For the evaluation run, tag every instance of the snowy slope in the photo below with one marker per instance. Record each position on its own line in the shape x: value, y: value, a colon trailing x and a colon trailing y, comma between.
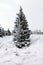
x: 11, y: 55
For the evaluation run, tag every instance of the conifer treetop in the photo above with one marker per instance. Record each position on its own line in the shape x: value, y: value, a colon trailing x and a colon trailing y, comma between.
x: 20, y: 8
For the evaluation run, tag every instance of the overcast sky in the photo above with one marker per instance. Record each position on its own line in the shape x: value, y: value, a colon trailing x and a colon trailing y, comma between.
x: 33, y: 10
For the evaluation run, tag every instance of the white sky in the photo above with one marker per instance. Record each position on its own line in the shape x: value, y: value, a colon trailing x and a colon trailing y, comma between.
x: 33, y: 10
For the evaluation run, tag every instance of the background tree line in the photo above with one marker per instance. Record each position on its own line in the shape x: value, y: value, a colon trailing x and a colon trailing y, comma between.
x: 4, y: 32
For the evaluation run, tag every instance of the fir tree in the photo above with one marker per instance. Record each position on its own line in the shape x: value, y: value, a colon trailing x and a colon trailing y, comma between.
x: 21, y: 28
x: 9, y: 33
x: 3, y: 32
x: 0, y: 31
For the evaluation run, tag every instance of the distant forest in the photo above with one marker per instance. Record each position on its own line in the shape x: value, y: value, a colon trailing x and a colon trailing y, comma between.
x: 4, y: 32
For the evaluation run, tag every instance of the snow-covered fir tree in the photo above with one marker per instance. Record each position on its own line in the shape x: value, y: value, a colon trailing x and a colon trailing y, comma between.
x: 9, y: 33
x: 1, y: 31
x: 22, y: 32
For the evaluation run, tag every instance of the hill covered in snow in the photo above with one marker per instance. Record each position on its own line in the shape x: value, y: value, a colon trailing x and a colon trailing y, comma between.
x: 11, y: 55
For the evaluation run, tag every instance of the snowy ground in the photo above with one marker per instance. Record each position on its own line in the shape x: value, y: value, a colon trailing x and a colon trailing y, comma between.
x: 11, y: 55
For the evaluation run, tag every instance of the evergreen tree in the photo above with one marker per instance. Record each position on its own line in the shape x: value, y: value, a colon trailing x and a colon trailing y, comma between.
x: 9, y: 33
x: 21, y: 28
x: 3, y: 32
x: 0, y: 32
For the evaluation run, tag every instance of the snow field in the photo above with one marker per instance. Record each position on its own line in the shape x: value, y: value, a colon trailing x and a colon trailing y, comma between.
x: 11, y: 55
